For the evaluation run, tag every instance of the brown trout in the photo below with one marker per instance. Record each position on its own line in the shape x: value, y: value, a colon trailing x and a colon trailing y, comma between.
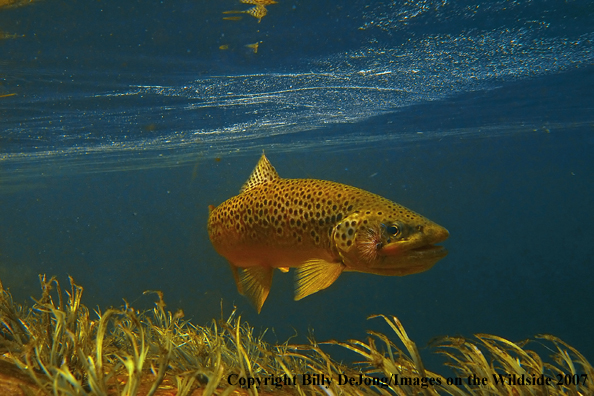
x: 321, y: 228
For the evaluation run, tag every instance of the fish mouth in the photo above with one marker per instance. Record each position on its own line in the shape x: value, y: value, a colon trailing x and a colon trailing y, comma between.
x: 410, y: 261
x: 420, y: 246
x: 427, y: 251
x: 436, y: 234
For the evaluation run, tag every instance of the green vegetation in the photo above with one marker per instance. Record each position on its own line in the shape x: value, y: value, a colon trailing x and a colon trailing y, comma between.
x: 125, y: 352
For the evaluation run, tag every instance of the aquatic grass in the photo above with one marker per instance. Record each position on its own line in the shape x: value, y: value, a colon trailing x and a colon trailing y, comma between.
x: 407, y: 371
x: 14, y: 320
x: 568, y: 361
x: 495, y: 357
x: 155, y: 353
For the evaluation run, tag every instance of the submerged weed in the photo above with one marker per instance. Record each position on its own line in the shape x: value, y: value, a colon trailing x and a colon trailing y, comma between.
x: 125, y: 352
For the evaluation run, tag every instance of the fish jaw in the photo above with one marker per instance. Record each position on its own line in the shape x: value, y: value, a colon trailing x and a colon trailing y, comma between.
x: 421, y: 244
x: 414, y: 258
x: 407, y: 264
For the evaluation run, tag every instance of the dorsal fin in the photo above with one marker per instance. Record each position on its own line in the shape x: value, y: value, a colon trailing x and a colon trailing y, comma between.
x: 263, y: 173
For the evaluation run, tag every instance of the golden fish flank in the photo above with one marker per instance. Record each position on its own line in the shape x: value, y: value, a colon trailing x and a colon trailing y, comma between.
x: 321, y: 228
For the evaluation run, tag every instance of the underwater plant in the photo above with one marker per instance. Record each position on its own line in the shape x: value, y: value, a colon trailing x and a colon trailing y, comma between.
x: 55, y: 348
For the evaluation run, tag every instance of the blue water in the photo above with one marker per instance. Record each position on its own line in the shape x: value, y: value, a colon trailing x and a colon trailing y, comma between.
x: 129, y: 120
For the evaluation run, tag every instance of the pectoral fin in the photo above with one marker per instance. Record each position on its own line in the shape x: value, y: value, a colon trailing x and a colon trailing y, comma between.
x: 315, y: 275
x: 255, y: 283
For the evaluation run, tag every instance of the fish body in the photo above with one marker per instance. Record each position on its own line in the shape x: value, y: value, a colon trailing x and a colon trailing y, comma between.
x: 319, y: 227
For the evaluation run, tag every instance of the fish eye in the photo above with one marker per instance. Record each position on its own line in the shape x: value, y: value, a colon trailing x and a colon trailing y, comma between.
x: 392, y: 230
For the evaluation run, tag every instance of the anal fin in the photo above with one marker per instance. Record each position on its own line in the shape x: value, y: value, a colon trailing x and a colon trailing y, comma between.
x: 315, y: 275
x: 255, y: 283
x: 235, y: 272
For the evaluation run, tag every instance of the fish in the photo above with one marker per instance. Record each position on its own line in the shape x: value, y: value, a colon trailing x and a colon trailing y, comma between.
x: 321, y: 229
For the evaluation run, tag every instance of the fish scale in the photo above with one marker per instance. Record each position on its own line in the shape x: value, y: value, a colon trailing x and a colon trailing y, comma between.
x: 295, y: 211
x: 321, y: 228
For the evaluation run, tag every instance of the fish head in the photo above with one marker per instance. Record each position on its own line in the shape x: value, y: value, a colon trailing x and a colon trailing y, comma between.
x: 389, y: 243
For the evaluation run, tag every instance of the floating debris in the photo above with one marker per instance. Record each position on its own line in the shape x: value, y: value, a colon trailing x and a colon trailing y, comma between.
x: 259, y: 2
x: 4, y: 35
x: 15, y: 3
x: 254, y: 46
x: 231, y: 18
x: 259, y: 10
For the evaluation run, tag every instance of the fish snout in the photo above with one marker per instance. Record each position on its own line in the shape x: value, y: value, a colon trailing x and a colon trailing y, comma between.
x: 435, y: 233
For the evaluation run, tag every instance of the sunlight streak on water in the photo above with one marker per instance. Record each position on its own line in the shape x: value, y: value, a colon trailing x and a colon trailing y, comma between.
x: 89, y: 127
